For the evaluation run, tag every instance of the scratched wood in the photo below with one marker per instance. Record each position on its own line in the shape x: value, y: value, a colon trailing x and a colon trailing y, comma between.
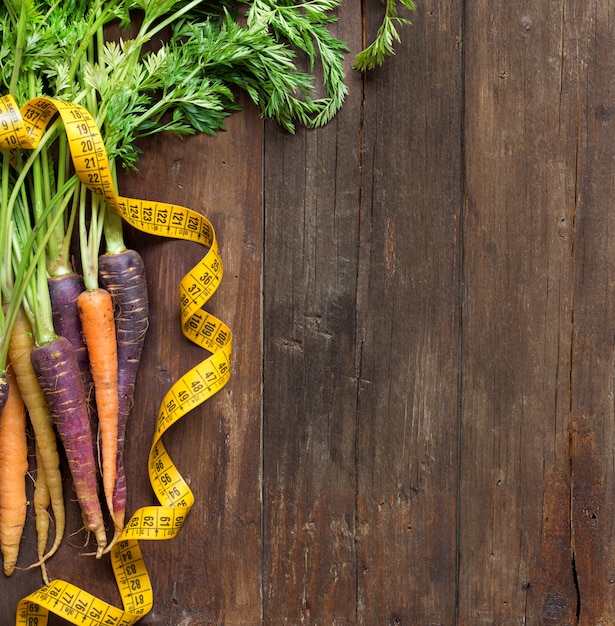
x: 408, y: 316
x: 311, y: 222
x: 593, y: 356
x: 361, y: 349
x: 520, y: 159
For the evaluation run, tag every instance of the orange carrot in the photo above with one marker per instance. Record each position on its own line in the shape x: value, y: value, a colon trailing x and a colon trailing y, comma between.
x: 20, y: 348
x: 98, y: 325
x: 13, y: 469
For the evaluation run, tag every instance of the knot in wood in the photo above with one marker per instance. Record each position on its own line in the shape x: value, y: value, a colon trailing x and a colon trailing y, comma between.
x: 555, y: 606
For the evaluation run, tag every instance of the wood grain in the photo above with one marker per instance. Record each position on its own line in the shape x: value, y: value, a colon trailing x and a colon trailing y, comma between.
x: 593, y: 356
x: 408, y: 327
x: 310, y: 382
x: 520, y: 157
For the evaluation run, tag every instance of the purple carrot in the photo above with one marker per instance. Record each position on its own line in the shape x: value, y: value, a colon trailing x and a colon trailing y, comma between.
x: 64, y: 291
x: 57, y: 370
x: 4, y: 392
x: 123, y: 276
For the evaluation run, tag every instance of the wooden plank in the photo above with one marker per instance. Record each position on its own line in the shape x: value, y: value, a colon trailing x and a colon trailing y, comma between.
x: 408, y: 324
x: 200, y: 576
x: 593, y: 384
x: 310, y: 384
x: 515, y: 559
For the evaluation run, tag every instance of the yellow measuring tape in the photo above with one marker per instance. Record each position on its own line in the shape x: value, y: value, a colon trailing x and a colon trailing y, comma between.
x: 23, y: 128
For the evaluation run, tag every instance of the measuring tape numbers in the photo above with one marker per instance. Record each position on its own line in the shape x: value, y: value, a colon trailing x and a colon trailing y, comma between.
x: 24, y: 128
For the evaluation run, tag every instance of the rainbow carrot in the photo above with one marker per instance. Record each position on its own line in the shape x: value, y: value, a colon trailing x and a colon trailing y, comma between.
x: 41, y: 502
x: 64, y: 290
x: 123, y: 275
x: 13, y: 469
x: 58, y: 374
x: 98, y: 324
x: 21, y: 344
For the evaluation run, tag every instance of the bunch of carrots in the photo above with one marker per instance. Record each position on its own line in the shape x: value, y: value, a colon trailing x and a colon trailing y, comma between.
x: 74, y: 317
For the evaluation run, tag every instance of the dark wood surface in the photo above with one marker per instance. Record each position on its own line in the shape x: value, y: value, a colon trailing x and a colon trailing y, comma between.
x: 517, y: 314
x: 591, y: 405
x: 419, y: 427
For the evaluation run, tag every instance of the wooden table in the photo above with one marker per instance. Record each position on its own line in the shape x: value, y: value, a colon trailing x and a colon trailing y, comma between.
x: 419, y: 427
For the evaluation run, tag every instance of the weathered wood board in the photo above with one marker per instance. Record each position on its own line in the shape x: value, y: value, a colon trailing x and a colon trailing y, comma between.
x: 361, y: 348
x: 420, y: 424
x: 520, y: 160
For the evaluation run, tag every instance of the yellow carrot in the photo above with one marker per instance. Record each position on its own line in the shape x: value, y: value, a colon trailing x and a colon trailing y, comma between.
x: 41, y: 501
x: 20, y: 347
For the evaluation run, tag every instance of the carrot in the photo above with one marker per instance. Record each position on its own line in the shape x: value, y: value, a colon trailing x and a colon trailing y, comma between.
x: 97, y: 322
x: 122, y: 274
x: 4, y: 391
x: 64, y: 291
x: 41, y: 501
x: 13, y: 469
x: 20, y: 347
x: 58, y: 374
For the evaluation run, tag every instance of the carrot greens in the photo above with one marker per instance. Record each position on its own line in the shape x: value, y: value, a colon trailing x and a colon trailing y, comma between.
x: 386, y: 37
x: 140, y: 68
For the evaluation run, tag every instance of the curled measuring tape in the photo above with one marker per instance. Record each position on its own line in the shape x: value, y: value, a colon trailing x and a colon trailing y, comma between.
x: 24, y: 128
